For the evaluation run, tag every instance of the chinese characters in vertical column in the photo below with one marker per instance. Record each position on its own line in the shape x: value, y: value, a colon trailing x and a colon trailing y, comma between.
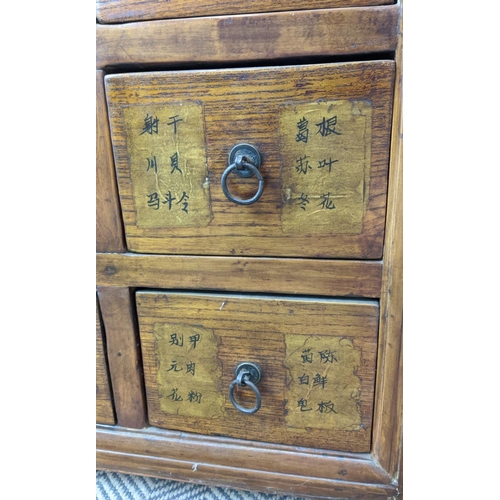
x: 164, y: 197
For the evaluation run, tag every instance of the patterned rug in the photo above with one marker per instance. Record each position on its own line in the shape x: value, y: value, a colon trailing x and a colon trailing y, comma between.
x: 115, y: 486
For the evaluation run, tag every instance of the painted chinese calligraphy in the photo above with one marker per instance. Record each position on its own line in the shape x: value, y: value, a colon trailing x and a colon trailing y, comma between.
x: 153, y: 201
x: 303, y: 165
x: 174, y: 122
x: 174, y: 163
x: 303, y: 132
x: 302, y: 404
x: 327, y: 126
x: 326, y: 203
x: 303, y: 201
x: 152, y: 164
x: 168, y: 181
x: 185, y: 204
x: 327, y: 163
x: 325, y: 152
x: 188, y: 371
x: 322, y: 388
x: 150, y: 125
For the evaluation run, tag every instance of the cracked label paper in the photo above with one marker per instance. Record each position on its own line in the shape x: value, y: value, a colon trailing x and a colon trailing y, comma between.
x: 325, y: 153
x: 168, y: 165
x: 322, y: 387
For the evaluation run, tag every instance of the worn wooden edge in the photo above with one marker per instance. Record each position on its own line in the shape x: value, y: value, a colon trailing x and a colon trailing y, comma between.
x: 238, y: 464
x: 109, y: 229
x: 399, y: 473
x: 124, y: 356
x: 250, y: 37
x: 120, y: 12
x: 339, y: 278
x: 105, y: 408
x: 387, y: 428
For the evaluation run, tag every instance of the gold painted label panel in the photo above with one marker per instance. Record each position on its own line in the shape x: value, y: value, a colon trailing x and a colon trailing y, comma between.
x: 168, y: 165
x: 189, y: 372
x: 322, y: 390
x: 325, y: 152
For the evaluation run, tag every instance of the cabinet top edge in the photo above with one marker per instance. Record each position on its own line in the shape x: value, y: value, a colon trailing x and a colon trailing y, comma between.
x: 262, y: 36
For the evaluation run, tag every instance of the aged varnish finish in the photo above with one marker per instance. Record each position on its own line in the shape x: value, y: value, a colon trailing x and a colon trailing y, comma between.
x: 104, y: 405
x: 267, y: 36
x: 317, y: 357
x: 323, y: 132
x: 109, y: 11
x: 305, y: 283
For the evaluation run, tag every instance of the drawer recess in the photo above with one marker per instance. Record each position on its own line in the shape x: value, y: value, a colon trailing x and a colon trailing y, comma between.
x: 323, y: 134
x: 317, y: 357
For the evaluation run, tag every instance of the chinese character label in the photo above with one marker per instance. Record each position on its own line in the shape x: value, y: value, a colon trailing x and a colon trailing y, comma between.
x: 327, y: 164
x: 174, y: 120
x: 322, y: 388
x: 174, y: 396
x: 152, y: 164
x: 153, y: 201
x: 169, y: 199
x: 303, y: 132
x: 188, y: 370
x: 302, y: 404
x: 168, y: 165
x: 303, y: 201
x: 325, y: 152
x: 174, y: 163
x: 327, y: 126
x: 150, y: 125
x: 302, y: 165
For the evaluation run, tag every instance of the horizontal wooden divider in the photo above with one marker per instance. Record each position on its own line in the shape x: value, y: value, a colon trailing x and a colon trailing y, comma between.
x: 249, y: 465
x: 335, y: 278
x: 251, y: 37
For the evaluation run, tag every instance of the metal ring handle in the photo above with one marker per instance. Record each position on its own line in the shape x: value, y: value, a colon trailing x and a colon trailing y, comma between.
x: 243, y: 381
x: 255, y: 171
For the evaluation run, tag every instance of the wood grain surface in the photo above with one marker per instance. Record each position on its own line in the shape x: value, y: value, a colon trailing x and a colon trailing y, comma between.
x: 389, y: 399
x: 104, y: 405
x: 242, y: 106
x: 334, y: 278
x: 220, y: 461
x: 109, y: 227
x: 113, y: 11
x: 256, y: 37
x: 119, y: 318
x: 262, y: 330
x: 214, y: 42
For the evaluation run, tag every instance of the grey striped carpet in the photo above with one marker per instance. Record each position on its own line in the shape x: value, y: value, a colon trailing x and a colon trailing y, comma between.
x: 114, y: 486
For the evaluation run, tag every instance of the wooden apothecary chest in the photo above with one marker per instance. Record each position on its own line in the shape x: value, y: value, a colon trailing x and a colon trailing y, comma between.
x: 249, y: 263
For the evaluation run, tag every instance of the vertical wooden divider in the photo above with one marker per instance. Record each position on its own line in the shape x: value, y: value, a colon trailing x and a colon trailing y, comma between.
x: 387, y: 428
x: 109, y: 228
x: 124, y: 356
x: 105, y: 413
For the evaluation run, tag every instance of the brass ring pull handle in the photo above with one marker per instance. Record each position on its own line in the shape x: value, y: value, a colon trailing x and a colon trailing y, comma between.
x: 247, y: 375
x: 245, y: 160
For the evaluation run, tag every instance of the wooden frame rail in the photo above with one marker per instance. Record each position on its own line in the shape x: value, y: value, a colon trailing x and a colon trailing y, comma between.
x: 226, y: 39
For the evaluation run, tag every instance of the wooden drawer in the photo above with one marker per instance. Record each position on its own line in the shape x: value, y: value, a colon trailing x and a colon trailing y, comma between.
x: 317, y: 357
x: 112, y: 11
x: 323, y: 135
x: 104, y: 405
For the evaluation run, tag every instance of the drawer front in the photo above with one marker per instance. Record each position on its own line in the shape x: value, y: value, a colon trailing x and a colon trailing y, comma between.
x: 317, y: 358
x: 109, y: 11
x: 104, y: 406
x: 323, y: 135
